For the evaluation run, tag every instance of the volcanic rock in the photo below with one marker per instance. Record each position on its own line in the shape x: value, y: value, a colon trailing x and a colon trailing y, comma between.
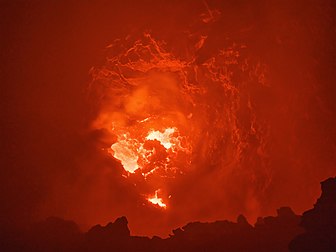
x: 319, y: 223
x: 113, y: 236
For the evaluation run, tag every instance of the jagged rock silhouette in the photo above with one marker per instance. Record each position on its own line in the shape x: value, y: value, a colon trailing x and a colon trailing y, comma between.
x: 269, y: 234
x: 319, y: 223
x: 315, y: 231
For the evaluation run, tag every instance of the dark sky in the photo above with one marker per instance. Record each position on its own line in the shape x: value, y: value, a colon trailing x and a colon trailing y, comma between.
x: 49, y: 157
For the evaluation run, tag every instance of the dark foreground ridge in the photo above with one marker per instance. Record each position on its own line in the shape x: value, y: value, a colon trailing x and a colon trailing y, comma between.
x: 314, y: 231
x: 319, y: 223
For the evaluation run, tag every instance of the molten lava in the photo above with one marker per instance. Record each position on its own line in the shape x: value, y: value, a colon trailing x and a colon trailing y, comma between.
x: 164, y: 138
x: 156, y: 200
x: 154, y: 154
x: 171, y: 115
x: 136, y: 153
x: 124, y: 151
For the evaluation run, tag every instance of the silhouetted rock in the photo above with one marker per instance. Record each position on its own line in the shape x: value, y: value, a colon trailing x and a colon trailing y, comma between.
x: 319, y: 223
x: 269, y: 234
x: 242, y: 221
x: 275, y: 233
x: 117, y: 229
x: 114, y: 235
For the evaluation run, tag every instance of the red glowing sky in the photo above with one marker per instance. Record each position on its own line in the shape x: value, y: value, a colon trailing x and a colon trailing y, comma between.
x: 54, y: 136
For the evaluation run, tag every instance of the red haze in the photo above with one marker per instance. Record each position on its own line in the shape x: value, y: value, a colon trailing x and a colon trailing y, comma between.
x: 265, y: 145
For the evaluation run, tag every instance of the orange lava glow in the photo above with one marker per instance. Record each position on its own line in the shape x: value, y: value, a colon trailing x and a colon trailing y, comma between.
x: 154, y: 155
x: 216, y: 112
x: 156, y: 200
x: 165, y: 112
x: 164, y: 137
x: 170, y: 116
x: 129, y: 151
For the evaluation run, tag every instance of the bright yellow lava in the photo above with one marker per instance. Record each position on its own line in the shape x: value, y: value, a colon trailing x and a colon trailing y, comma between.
x: 164, y: 138
x: 156, y: 200
x: 128, y: 158
x: 135, y: 152
x: 131, y: 151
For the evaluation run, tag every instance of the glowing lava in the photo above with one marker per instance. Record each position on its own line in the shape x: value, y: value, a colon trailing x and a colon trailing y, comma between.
x: 154, y: 154
x: 141, y: 152
x: 175, y: 114
x: 156, y: 200
x: 164, y: 138
x: 123, y: 150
